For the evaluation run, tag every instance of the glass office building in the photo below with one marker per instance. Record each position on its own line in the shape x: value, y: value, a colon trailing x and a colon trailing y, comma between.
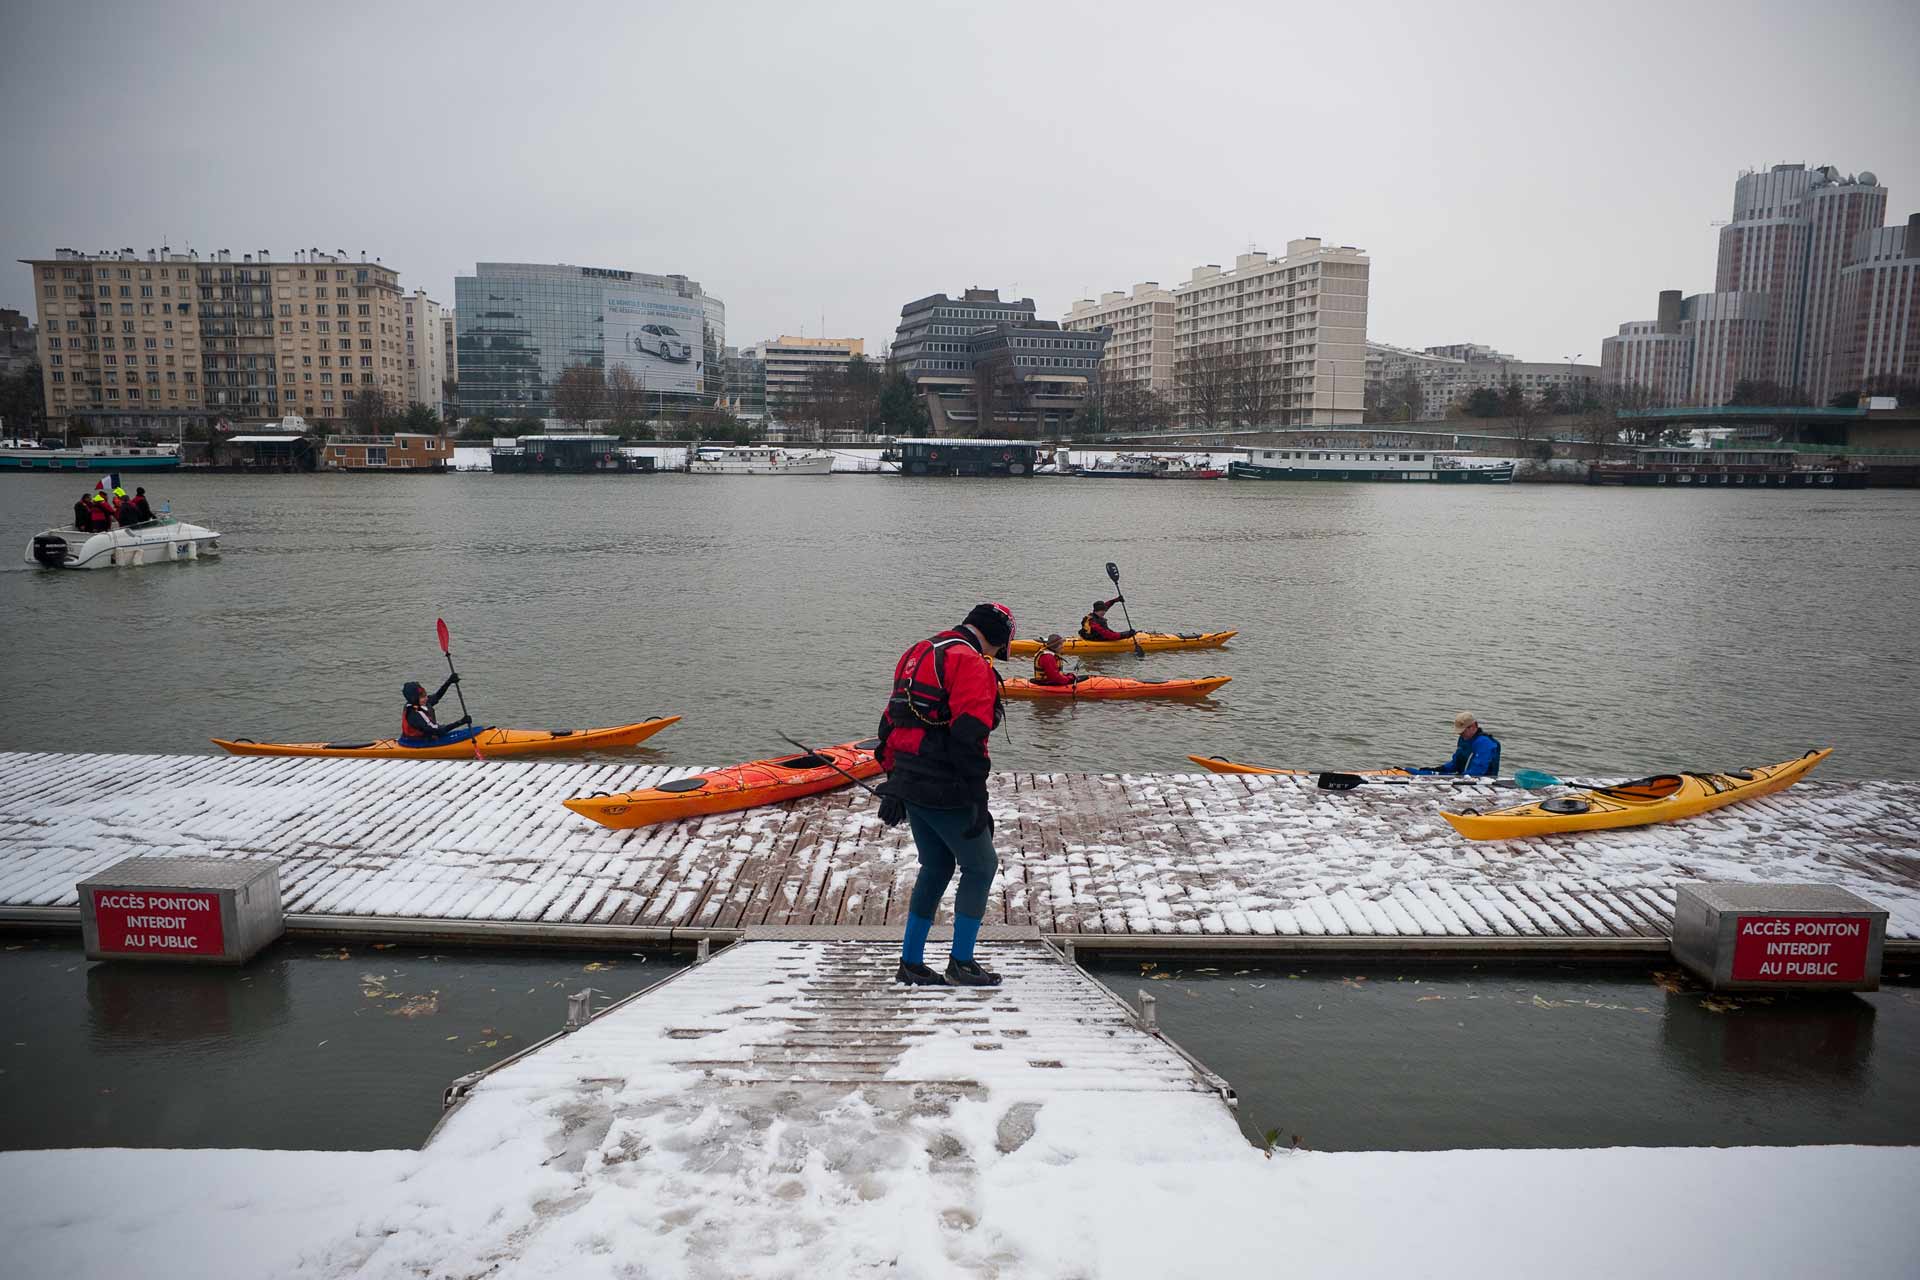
x: 519, y: 325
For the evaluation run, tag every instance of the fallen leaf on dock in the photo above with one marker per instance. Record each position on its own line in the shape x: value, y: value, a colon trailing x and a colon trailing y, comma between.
x: 1424, y: 999
x: 453, y: 1037
x: 1673, y: 980
x: 341, y: 954
x: 385, y: 946
x: 597, y: 966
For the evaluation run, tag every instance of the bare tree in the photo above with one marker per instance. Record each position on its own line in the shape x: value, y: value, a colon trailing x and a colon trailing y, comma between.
x: 1204, y: 375
x: 626, y: 401
x: 369, y: 410
x: 580, y: 395
x: 1254, y: 387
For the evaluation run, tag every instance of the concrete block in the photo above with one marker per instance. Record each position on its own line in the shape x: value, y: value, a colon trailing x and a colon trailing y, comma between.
x: 192, y: 910
x: 1769, y: 937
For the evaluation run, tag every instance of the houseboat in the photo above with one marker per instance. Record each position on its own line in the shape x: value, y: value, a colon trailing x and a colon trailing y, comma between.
x: 963, y: 457
x: 581, y: 454
x: 1751, y: 468
x: 92, y: 455
x: 1147, y: 466
x: 1429, y: 466
x: 760, y: 460
x: 402, y: 451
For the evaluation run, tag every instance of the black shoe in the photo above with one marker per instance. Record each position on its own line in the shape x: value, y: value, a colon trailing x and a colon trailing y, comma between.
x: 918, y: 975
x: 967, y: 973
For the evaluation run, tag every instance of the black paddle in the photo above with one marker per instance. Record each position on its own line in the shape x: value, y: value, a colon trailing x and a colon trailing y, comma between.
x: 1113, y: 571
x: 831, y: 765
x: 446, y: 648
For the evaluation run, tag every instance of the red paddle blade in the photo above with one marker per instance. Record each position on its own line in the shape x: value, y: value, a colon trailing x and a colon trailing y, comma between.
x: 446, y: 641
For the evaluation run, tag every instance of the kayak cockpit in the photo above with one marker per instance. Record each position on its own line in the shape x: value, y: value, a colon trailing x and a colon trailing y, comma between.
x: 1643, y: 790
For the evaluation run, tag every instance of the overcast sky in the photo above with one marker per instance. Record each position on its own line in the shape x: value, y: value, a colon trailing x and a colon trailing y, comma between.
x: 1527, y: 175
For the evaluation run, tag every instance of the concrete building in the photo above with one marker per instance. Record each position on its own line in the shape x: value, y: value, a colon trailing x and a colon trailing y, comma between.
x: 1447, y: 375
x: 425, y: 339
x: 141, y: 342
x: 1775, y: 311
x: 1302, y: 316
x: 450, y: 361
x: 521, y: 324
x: 19, y: 343
x: 790, y: 365
x: 1879, y: 308
x: 981, y: 363
x: 1139, y: 327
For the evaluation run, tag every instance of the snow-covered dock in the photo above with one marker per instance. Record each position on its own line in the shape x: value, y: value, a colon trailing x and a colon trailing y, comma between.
x: 1155, y: 861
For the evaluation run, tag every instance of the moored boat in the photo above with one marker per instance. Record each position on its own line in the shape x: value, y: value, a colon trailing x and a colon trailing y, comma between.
x: 1113, y: 687
x: 94, y: 455
x: 742, y: 786
x: 760, y: 460
x: 1634, y: 804
x: 160, y: 541
x: 1149, y: 642
x: 491, y: 741
x: 1355, y: 462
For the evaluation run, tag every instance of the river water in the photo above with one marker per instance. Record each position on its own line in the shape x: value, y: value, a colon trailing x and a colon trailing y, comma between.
x: 1593, y: 630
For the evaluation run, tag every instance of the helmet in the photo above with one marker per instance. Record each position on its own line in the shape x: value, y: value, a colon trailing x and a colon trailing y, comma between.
x: 118, y: 492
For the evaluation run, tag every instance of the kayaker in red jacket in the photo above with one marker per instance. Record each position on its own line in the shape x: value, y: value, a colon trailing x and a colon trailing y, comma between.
x: 1094, y: 625
x: 933, y: 744
x: 1046, y: 663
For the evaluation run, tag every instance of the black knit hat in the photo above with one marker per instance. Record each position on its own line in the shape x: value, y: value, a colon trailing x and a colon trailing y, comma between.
x: 994, y: 621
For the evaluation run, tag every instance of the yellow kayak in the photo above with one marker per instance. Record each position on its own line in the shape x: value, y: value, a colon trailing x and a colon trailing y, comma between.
x: 1150, y: 642
x: 492, y: 742
x: 1220, y: 764
x: 1634, y: 804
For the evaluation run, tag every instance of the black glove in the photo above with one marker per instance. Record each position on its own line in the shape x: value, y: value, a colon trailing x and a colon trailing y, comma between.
x: 453, y: 677
x: 982, y: 823
x: 463, y: 721
x: 893, y: 810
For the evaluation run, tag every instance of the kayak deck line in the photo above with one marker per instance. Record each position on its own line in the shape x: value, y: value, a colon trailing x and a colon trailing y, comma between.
x: 456, y: 850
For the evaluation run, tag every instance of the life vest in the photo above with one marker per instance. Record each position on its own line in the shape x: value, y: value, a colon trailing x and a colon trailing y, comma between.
x: 1092, y: 625
x: 407, y: 729
x: 1044, y: 675
x: 918, y: 702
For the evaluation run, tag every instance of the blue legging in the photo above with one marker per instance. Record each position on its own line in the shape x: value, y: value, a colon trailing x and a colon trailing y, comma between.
x: 936, y: 832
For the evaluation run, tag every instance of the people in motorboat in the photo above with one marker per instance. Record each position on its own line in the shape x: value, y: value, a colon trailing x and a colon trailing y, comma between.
x: 933, y: 745
x: 1046, y: 663
x: 99, y: 514
x: 1094, y: 625
x: 1475, y: 755
x: 122, y: 507
x: 142, y: 510
x: 82, y: 512
x: 418, y: 728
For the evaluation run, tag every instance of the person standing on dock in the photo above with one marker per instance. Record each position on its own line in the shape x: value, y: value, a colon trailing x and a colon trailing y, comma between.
x: 933, y: 744
x: 1475, y: 755
x: 1094, y: 625
x: 418, y: 728
x: 1046, y: 663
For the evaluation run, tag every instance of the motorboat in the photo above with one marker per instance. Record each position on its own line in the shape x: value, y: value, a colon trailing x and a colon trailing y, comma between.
x: 157, y: 541
x: 760, y: 460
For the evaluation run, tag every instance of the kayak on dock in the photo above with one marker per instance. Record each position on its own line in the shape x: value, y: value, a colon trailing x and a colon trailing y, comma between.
x: 741, y: 786
x: 1220, y: 764
x: 1150, y: 642
x: 1110, y: 687
x: 1634, y: 804
x: 505, y: 742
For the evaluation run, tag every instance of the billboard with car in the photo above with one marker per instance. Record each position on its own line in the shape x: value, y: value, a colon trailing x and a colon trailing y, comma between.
x: 657, y: 335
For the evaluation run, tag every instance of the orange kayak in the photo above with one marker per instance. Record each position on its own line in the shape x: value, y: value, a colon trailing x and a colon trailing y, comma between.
x: 1219, y: 764
x: 743, y: 786
x: 1115, y: 687
x: 493, y: 742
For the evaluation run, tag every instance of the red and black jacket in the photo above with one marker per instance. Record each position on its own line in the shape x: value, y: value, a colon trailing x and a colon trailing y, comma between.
x: 1094, y: 626
x: 933, y: 733
x: 1046, y: 669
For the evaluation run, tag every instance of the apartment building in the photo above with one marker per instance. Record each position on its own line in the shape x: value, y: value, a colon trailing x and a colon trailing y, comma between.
x: 1036, y: 373
x: 1140, y: 343
x: 426, y: 351
x: 1775, y: 312
x: 1448, y: 374
x: 1300, y: 320
x: 791, y: 364
x: 140, y: 342
x: 1879, y: 307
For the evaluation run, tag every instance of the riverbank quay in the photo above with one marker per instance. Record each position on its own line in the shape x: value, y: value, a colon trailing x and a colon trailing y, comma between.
x: 783, y: 1110
x: 1155, y: 864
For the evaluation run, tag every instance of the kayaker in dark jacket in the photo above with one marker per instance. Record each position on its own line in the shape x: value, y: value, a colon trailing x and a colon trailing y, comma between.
x: 1094, y: 625
x: 933, y: 744
x: 1476, y: 755
x: 418, y: 728
x: 1046, y: 663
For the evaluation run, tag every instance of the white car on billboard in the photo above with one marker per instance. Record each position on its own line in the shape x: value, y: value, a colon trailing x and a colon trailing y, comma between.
x: 662, y: 340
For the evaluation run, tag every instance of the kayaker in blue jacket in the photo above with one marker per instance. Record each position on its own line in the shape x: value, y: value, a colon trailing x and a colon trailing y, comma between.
x: 1476, y: 755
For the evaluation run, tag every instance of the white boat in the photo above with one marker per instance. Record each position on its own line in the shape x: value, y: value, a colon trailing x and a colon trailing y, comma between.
x: 761, y: 460
x: 1354, y: 462
x: 149, y: 542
